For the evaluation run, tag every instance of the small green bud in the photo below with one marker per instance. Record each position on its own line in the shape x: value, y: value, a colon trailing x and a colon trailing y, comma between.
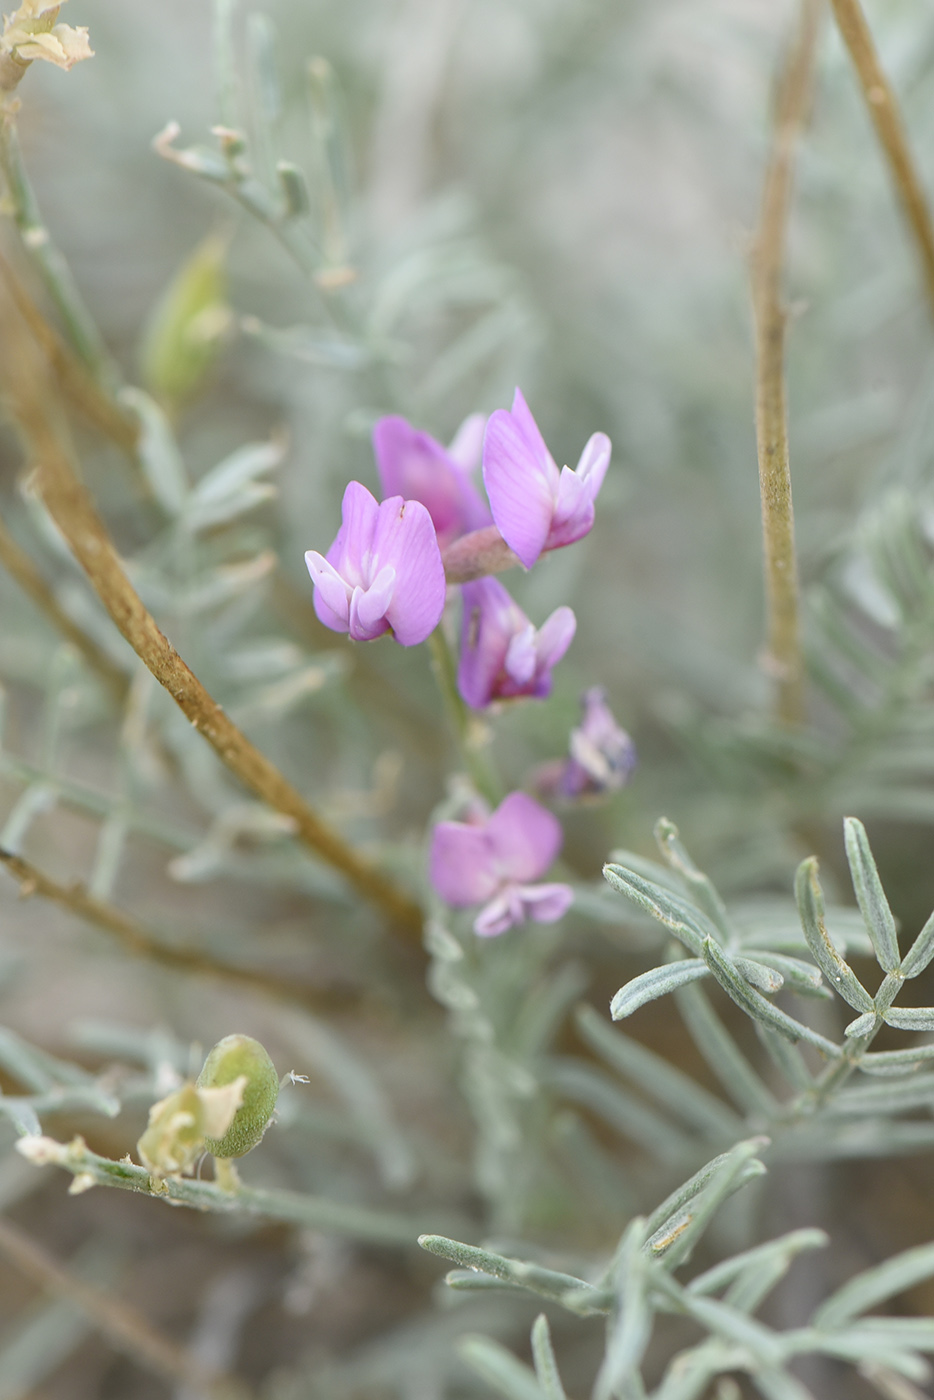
x: 188, y: 325
x: 234, y: 1057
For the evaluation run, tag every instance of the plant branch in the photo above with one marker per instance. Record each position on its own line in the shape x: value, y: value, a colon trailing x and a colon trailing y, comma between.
x: 784, y: 653
x: 137, y: 939
x: 19, y: 565
x: 890, y: 129
x: 125, y: 1328
x: 30, y: 394
x: 294, y: 1207
x: 78, y: 385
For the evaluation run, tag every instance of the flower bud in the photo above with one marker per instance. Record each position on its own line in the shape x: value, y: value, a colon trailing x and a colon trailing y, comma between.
x: 235, y: 1057
x: 188, y: 326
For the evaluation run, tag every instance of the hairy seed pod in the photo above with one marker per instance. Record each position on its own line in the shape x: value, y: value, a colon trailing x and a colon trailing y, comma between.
x: 232, y: 1057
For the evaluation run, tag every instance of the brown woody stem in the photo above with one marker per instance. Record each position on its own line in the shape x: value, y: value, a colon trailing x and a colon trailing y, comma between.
x: 784, y: 656
x: 890, y: 129
x: 137, y: 939
x: 30, y: 392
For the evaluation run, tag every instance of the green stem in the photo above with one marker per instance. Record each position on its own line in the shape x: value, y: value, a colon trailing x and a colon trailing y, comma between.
x: 50, y: 262
x: 469, y: 732
x: 311, y: 1212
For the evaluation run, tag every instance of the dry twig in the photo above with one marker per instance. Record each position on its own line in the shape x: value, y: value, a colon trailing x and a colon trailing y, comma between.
x: 126, y: 1329
x: 784, y: 656
x: 137, y: 939
x: 19, y: 565
x: 890, y: 129
x: 30, y: 392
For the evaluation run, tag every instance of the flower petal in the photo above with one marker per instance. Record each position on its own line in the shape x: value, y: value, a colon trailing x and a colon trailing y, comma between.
x: 467, y: 444
x: 521, y: 495
x: 460, y: 866
x: 555, y: 636
x: 406, y: 539
x: 332, y: 596
x: 491, y: 619
x: 353, y: 547
x: 545, y: 903
x: 524, y: 838
x: 521, y: 657
x: 594, y: 461
x: 574, y: 511
x: 368, y: 606
x: 522, y: 415
x: 500, y: 914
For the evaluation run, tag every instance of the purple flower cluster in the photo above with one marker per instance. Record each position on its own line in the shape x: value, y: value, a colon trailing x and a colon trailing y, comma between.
x: 385, y: 572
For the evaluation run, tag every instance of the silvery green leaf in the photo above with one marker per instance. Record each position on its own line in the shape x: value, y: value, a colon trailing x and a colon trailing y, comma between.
x: 238, y: 470
x: 669, y: 1086
x: 631, y: 1325
x: 675, y: 1204
x: 870, y: 896
x: 800, y: 976
x: 21, y: 1114
x: 896, y: 1061
x: 322, y: 347
x: 811, y: 908
x: 764, y: 979
x: 861, y: 1026
x: 674, y: 911
x: 786, y: 1248
x: 294, y: 189
x: 737, y: 1327
x: 675, y: 1239
x: 787, y: 1057
x: 910, y: 1018
x: 630, y: 1116
x: 546, y: 1282
x: 921, y: 951
x: 159, y: 457
x: 914, y: 1091
x: 648, y: 986
x: 875, y: 1286
x: 701, y: 887
x: 747, y: 1089
x: 546, y: 1365
x: 756, y: 1005
x: 500, y: 1369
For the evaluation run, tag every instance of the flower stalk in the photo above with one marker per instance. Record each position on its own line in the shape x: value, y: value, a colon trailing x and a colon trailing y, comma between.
x: 890, y: 129
x: 784, y: 657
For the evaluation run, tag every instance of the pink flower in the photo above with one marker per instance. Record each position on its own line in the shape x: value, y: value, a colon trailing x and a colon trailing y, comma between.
x: 536, y: 507
x: 502, y: 655
x: 414, y: 465
x: 383, y: 572
x: 602, y: 755
x: 492, y: 862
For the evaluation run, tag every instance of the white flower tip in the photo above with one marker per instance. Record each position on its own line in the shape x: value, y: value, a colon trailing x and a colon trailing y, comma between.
x: 40, y: 1150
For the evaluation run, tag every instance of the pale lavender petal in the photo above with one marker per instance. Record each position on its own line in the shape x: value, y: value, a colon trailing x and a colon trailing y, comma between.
x: 545, y: 903
x: 368, y: 606
x: 521, y: 495
x: 530, y: 430
x: 460, y: 864
x: 413, y: 465
x: 593, y: 463
x: 574, y: 511
x: 500, y: 914
x: 406, y: 539
x: 555, y: 636
x: 490, y: 620
x: 524, y: 838
x: 352, y: 549
x: 522, y: 657
x: 464, y: 451
x: 332, y: 596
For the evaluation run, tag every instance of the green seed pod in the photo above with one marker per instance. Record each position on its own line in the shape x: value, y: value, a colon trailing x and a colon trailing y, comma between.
x: 232, y: 1057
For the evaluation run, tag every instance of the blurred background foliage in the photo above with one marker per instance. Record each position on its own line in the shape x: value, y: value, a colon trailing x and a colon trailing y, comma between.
x: 554, y: 193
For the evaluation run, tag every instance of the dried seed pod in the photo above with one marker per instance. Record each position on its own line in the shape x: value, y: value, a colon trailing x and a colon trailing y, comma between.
x: 231, y: 1058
